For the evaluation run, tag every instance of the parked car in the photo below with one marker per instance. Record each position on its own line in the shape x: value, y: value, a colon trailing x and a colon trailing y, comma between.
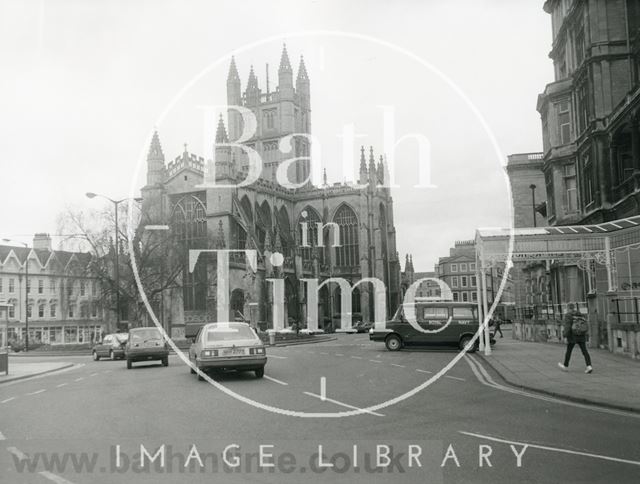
x: 228, y: 346
x: 449, y: 324
x: 111, y: 346
x: 146, y: 344
x: 363, y: 326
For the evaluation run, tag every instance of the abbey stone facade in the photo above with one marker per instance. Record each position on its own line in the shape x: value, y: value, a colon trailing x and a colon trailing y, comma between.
x: 266, y: 217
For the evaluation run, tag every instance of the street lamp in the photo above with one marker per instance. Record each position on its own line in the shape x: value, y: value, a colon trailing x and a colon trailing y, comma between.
x: 26, y: 293
x: 533, y: 203
x: 117, y: 266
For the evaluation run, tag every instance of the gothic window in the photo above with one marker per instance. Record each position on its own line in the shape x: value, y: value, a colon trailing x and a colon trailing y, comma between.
x: 382, y: 225
x: 189, y: 225
x: 347, y: 255
x: 312, y: 219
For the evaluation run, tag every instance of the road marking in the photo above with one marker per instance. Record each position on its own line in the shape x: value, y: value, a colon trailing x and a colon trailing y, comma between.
x: 36, y: 392
x: 2, y: 437
x: 18, y: 453
x: 55, y: 478
x: 339, y: 354
x: 277, y: 357
x: 423, y: 371
x: 75, y: 366
x: 61, y: 385
x: 375, y: 361
x: 79, y: 379
x: 106, y: 371
x: 8, y: 399
x: 323, y: 353
x: 486, y: 380
x: 357, y: 357
x: 94, y: 374
x: 454, y: 378
x: 552, y: 449
x: 399, y: 366
x: 323, y: 388
x: 346, y: 405
x: 274, y: 380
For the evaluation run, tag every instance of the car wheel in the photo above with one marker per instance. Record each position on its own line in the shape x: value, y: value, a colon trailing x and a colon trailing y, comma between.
x: 95, y: 356
x: 200, y: 377
x: 129, y: 364
x: 464, y: 342
x: 112, y: 357
x: 192, y: 371
x: 393, y: 342
x: 165, y: 361
x: 260, y: 373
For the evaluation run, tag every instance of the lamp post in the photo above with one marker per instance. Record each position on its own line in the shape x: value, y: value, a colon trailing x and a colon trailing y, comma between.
x: 26, y: 293
x: 533, y: 203
x: 117, y: 265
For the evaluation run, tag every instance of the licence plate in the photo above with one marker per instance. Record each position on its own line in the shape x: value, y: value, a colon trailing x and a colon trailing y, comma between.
x: 233, y: 351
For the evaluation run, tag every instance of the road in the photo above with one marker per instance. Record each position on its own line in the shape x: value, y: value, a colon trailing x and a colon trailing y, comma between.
x: 105, y: 413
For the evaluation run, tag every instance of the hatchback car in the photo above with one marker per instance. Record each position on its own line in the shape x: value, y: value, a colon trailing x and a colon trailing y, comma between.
x: 441, y: 324
x: 111, y: 346
x: 228, y: 346
x: 146, y: 344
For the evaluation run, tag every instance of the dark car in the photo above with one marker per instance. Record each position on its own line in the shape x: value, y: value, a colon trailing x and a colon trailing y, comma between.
x: 450, y: 324
x: 363, y: 326
x: 111, y: 346
x: 146, y: 344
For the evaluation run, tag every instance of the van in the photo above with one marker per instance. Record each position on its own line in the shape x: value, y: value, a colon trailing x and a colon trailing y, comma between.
x: 446, y: 323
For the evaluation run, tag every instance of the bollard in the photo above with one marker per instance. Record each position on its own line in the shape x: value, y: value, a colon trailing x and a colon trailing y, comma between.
x: 272, y: 338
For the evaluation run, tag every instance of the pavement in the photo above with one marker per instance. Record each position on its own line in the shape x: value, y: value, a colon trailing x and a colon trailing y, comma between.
x: 341, y: 399
x: 614, y: 383
x: 20, y: 370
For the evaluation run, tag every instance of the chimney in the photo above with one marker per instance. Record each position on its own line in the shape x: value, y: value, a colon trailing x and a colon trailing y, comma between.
x: 42, y: 241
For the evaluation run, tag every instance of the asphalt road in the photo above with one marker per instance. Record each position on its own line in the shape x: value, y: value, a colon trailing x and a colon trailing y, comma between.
x: 101, y: 412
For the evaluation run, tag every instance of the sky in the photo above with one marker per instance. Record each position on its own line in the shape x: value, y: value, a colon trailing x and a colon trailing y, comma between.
x: 84, y: 84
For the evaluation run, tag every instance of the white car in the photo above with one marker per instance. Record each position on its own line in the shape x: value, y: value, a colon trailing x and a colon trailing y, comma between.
x: 228, y: 346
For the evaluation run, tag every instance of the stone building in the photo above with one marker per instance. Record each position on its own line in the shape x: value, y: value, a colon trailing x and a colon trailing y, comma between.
x: 62, y: 298
x: 268, y: 217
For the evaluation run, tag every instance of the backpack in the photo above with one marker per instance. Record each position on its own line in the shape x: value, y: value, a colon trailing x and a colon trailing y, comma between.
x: 579, y: 325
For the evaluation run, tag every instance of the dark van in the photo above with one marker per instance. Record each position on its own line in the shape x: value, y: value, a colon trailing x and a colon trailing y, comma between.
x: 451, y: 324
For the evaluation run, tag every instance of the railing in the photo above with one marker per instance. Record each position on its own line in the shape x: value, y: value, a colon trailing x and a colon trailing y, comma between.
x: 627, y: 310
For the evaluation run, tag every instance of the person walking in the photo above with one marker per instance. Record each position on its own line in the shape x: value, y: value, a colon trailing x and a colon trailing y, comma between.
x: 575, y: 331
x: 497, y: 322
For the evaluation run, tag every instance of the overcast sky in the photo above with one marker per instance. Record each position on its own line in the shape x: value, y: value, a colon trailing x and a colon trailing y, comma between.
x: 84, y: 83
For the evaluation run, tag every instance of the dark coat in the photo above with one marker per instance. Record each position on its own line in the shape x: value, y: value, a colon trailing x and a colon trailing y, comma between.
x: 567, y: 333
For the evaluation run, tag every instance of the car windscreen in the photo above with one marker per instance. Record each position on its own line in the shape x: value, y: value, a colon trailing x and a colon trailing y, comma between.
x: 122, y: 338
x: 229, y: 333
x: 145, y: 335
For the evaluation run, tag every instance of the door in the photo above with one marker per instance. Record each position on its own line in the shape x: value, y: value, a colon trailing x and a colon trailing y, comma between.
x: 434, y: 319
x: 103, y: 348
x: 465, y: 320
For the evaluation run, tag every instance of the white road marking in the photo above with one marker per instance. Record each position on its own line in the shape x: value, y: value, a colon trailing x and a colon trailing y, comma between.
x: 2, y: 437
x: 399, y: 366
x: 484, y: 378
x: 45, y: 375
x: 323, y: 388
x: 357, y: 357
x: 454, y: 378
x: 277, y: 357
x: 346, y: 405
x: 61, y: 385
x: 275, y: 381
x: 8, y: 399
x: 323, y: 353
x: 18, y: 453
x: 375, y: 361
x: 339, y: 354
x: 94, y: 374
x: 423, y: 371
x: 79, y: 379
x: 55, y: 478
x: 106, y: 371
x: 36, y: 392
x: 552, y: 449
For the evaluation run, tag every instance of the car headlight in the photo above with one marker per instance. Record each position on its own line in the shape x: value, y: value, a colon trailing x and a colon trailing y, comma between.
x: 209, y: 353
x: 256, y: 351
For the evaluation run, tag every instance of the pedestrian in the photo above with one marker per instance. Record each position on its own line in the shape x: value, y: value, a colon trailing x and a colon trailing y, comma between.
x: 497, y: 322
x: 575, y: 331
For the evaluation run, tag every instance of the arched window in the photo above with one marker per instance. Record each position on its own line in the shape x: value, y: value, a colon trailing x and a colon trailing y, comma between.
x: 189, y: 225
x: 312, y: 219
x: 382, y: 224
x: 347, y: 255
x: 284, y: 225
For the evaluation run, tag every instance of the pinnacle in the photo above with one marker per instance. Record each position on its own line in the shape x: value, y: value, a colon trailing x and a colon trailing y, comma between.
x: 285, y: 65
x: 221, y: 132
x: 155, y: 149
x: 302, y: 71
x: 233, y: 71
